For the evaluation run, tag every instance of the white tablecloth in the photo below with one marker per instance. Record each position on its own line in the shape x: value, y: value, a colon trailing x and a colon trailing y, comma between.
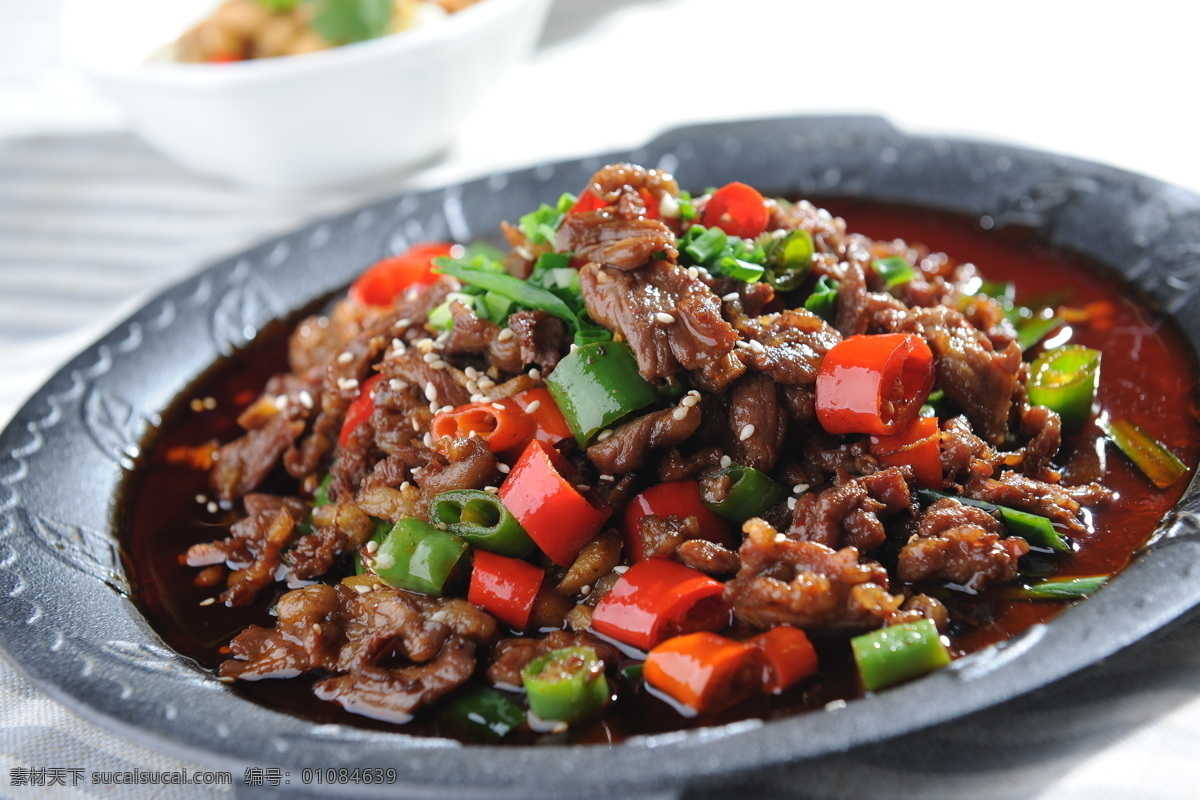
x: 92, y: 222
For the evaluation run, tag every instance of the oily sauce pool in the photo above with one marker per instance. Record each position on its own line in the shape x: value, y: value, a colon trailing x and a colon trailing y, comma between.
x: 1148, y: 375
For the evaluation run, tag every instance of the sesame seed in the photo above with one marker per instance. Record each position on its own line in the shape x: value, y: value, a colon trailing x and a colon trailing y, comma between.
x: 664, y: 318
x: 582, y: 488
x: 397, y: 385
x: 693, y: 273
x: 226, y: 679
x: 399, y: 346
x: 208, y: 601
x: 504, y: 468
x: 498, y: 406
x: 372, y: 546
x: 405, y: 485
x: 800, y: 488
x: 779, y: 537
x: 741, y: 344
x: 280, y: 401
x: 472, y: 386
x: 322, y: 322
x: 689, y: 401
x: 427, y: 439
x: 403, y: 322
x: 442, y: 526
x: 445, y: 409
x: 747, y: 432
x: 429, y: 358
x: 607, y: 477
x: 306, y: 399
x: 791, y: 504
x: 533, y: 407
x: 486, y: 383
x: 585, y: 590
x: 535, y: 373
x: 346, y: 384
x: 729, y: 298
x: 361, y: 589
x: 317, y: 629
x: 726, y: 461
x: 620, y: 569
x: 439, y: 364
x: 201, y: 499
x: 442, y: 339
x: 431, y: 392
x: 679, y: 413
x: 434, y: 407
x: 416, y: 424
x: 492, y: 489
x: 604, y: 434
x: 212, y: 507
x: 757, y: 346
x: 478, y: 398
x: 471, y: 373
x: 345, y: 357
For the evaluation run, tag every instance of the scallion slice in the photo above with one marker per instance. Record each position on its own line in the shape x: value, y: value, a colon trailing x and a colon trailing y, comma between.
x: 1148, y: 454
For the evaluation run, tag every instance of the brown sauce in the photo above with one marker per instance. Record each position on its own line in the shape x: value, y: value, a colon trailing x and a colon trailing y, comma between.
x: 1148, y: 375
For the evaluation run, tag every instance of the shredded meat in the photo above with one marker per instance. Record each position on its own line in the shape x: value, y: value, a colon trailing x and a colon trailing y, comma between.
x: 849, y: 514
x: 706, y: 556
x: 460, y: 463
x: 242, y: 465
x: 251, y: 550
x: 790, y: 345
x: 757, y: 423
x: 809, y: 585
x: 697, y: 338
x: 631, y: 443
x: 961, y: 544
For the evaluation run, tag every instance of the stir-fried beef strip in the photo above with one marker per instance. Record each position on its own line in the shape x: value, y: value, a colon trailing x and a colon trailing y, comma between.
x: 738, y: 366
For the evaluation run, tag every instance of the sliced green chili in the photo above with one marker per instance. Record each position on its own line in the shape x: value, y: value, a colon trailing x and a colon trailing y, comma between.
x: 419, y: 558
x: 1032, y: 528
x: 1065, y: 379
x: 566, y: 685
x: 505, y: 285
x: 633, y: 673
x: 598, y: 385
x: 1032, y: 330
x: 541, y: 225
x: 481, y: 519
x: 483, y: 714
x: 823, y: 300
x: 382, y: 528
x: 1148, y: 454
x: 894, y: 270
x: 750, y: 492
x: 703, y: 244
x: 1062, y: 588
x: 898, y: 653
x: 788, y: 259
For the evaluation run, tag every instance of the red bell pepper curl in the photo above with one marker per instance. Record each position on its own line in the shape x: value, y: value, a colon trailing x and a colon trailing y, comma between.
x: 657, y: 599
x: 704, y: 672
x: 788, y: 657
x: 674, y: 498
x: 552, y: 511
x: 505, y: 587
x: 737, y: 209
x: 385, y: 280
x: 549, y: 424
x: 501, y: 424
x: 918, y: 446
x: 360, y: 410
x: 874, y: 384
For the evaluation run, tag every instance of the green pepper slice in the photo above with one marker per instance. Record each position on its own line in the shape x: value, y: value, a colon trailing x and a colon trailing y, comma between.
x: 483, y: 714
x: 789, y: 259
x: 823, y: 300
x: 1148, y: 454
x: 566, y: 685
x: 898, y: 653
x: 418, y: 557
x: 1065, y: 379
x: 750, y: 492
x: 382, y: 528
x: 1032, y: 528
x: 598, y: 385
x: 482, y: 519
x: 1061, y: 588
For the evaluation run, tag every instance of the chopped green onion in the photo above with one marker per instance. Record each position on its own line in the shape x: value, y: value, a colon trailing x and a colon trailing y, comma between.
x: 1062, y: 588
x: 898, y: 653
x: 687, y: 209
x: 505, y: 285
x: 566, y: 685
x: 1065, y: 380
x: 541, y: 226
x: 894, y: 270
x: 1030, y: 527
x: 788, y: 259
x: 346, y: 21
x: 321, y: 496
x: 494, y: 307
x: 739, y: 270
x: 418, y: 557
x: 483, y: 714
x: 823, y: 300
x: 1032, y: 330
x: 566, y: 201
x: 632, y: 673
x: 481, y: 518
x: 703, y: 244
x: 1148, y: 454
x: 589, y: 332
x: 739, y: 493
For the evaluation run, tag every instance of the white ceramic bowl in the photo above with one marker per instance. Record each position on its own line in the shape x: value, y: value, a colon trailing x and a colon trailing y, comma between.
x: 331, y: 116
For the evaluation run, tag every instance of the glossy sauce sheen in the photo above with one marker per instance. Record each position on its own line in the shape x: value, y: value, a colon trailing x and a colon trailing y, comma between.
x: 1148, y: 375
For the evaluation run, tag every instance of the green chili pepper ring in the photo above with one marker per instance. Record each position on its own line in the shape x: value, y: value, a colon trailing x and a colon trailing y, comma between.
x: 482, y: 519
x: 1065, y: 379
x: 898, y: 653
x: 566, y: 685
x: 419, y: 558
x: 598, y: 385
x: 750, y: 492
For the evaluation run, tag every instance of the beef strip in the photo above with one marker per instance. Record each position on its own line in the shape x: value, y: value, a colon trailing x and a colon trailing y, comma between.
x: 790, y: 345
x: 242, y: 465
x: 961, y: 544
x: 809, y: 585
x: 849, y: 514
x: 634, y: 305
x: 630, y: 444
x: 758, y: 424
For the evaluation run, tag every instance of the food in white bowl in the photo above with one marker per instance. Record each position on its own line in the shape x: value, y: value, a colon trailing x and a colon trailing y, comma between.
x: 335, y: 115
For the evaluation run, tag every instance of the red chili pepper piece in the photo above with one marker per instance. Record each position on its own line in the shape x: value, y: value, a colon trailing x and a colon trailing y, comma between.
x: 552, y: 511
x: 704, y: 671
x: 501, y: 424
x: 360, y: 410
x: 385, y: 280
x: 657, y: 599
x: 504, y: 587
x: 588, y: 201
x: 874, y: 384
x: 674, y: 498
x: 788, y: 657
x: 919, y: 447
x: 737, y: 209
x: 550, y: 425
